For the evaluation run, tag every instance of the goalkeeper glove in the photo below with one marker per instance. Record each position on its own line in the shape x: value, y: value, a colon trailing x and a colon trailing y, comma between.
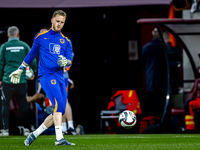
x: 62, y: 61
x: 15, y: 76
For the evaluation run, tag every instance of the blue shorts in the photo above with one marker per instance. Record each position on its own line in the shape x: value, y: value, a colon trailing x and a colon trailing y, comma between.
x: 55, y: 89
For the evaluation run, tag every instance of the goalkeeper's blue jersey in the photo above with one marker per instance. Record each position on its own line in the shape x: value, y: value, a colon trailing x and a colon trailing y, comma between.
x: 50, y: 45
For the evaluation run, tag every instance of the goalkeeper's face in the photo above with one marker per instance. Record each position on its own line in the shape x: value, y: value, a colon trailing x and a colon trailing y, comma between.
x: 57, y: 23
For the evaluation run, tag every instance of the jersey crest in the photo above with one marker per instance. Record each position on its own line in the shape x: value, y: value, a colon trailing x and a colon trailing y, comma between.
x: 53, y: 81
x: 62, y: 41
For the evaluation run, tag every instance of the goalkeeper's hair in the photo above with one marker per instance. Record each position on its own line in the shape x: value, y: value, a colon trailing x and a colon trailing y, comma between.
x: 12, y: 31
x: 59, y: 12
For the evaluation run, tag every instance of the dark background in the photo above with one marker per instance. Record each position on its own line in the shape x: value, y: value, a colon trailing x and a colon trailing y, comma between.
x: 100, y: 43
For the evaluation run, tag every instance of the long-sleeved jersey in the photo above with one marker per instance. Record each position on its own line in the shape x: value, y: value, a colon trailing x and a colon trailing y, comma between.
x: 50, y: 45
x: 12, y: 53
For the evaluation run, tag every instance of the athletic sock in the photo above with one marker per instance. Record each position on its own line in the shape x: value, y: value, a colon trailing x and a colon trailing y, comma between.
x: 58, y: 130
x: 70, y: 124
x: 64, y: 126
x: 39, y: 130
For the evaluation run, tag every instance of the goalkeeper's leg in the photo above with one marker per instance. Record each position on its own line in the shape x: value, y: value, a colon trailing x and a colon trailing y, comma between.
x: 53, y: 87
x: 33, y: 135
x: 48, y: 122
x: 58, y: 99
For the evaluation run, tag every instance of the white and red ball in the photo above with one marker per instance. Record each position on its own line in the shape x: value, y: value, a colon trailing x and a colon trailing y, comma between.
x: 29, y: 73
x: 127, y: 119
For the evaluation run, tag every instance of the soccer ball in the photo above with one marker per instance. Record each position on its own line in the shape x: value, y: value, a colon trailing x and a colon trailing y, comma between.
x: 29, y: 73
x: 127, y: 119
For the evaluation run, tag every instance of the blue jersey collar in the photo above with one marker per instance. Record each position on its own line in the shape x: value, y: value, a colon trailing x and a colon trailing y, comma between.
x: 53, y: 32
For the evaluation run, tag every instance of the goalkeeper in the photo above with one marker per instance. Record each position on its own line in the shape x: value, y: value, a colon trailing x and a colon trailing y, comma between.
x: 55, y: 51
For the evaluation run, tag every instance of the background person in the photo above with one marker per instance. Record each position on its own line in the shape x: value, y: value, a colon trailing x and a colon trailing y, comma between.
x: 12, y: 54
x: 68, y: 128
x: 154, y: 63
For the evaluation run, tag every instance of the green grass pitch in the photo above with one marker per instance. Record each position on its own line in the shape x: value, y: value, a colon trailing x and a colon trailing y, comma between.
x: 108, y: 142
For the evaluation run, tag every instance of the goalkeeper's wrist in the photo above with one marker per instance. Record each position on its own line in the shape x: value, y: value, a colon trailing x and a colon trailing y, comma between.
x: 69, y: 63
x: 23, y: 66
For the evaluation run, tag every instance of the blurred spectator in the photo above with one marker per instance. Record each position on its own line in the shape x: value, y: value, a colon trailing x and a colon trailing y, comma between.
x: 68, y: 113
x: 180, y: 5
x: 12, y: 53
x: 154, y: 63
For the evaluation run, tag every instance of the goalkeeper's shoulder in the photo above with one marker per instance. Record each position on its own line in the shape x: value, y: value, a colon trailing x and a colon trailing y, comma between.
x: 66, y: 38
x: 40, y: 34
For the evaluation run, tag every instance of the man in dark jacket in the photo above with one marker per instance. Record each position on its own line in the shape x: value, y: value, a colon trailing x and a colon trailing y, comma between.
x: 154, y: 63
